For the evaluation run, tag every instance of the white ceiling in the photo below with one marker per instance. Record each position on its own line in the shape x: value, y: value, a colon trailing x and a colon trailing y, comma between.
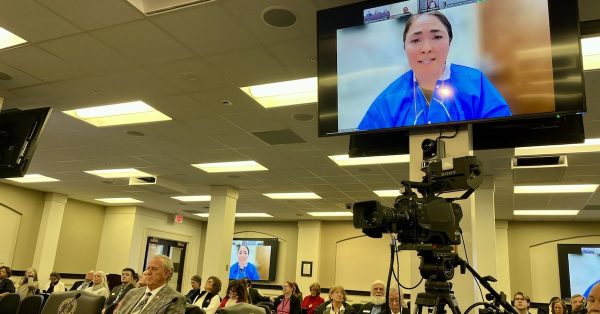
x: 185, y: 63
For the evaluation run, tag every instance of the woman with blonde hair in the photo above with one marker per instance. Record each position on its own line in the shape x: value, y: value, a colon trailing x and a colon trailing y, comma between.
x: 29, y: 284
x: 100, y: 286
x: 338, y: 303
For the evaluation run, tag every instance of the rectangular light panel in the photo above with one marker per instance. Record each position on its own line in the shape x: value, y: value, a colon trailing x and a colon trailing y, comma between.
x: 118, y: 173
x: 589, y: 146
x: 590, y: 51
x: 8, y: 39
x: 555, y: 212
x: 293, y: 196
x: 544, y: 189
x: 192, y: 198
x: 119, y: 114
x: 345, y: 160
x: 330, y: 214
x: 241, y: 215
x: 288, y: 93
x: 232, y: 166
x: 32, y: 178
x: 387, y: 193
x: 119, y: 200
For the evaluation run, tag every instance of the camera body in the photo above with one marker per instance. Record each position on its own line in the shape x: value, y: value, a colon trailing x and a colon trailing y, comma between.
x: 428, y: 220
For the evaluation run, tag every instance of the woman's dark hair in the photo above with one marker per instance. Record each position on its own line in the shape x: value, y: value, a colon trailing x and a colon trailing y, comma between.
x: 243, y: 245
x: 562, y: 303
x: 55, y: 275
x: 7, y: 270
x: 240, y: 290
x: 296, y: 288
x: 437, y: 14
x: 216, y: 287
x: 197, y: 279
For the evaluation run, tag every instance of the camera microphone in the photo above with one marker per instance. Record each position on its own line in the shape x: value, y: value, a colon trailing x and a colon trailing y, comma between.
x: 66, y: 306
x: 173, y: 301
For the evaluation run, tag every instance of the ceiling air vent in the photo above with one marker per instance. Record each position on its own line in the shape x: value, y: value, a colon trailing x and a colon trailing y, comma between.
x: 277, y: 137
x: 152, y: 7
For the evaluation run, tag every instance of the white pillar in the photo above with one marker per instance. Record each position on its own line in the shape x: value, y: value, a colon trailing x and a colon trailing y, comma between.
x: 49, y: 232
x: 485, y: 259
x: 502, y: 260
x: 115, y: 251
x: 309, y: 244
x: 219, y: 232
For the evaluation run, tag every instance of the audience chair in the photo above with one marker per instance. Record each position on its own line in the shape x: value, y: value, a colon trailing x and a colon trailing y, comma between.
x: 87, y: 303
x: 31, y: 305
x: 242, y: 308
x: 192, y: 309
x: 9, y: 303
x: 113, y: 280
x: 356, y: 307
x: 267, y: 304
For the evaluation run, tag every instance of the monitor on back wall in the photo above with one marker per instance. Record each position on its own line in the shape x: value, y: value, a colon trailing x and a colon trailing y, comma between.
x: 578, y: 266
x: 254, y: 258
x: 411, y: 64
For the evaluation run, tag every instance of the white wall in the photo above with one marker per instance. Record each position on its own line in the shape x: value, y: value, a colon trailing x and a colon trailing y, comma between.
x: 11, y: 220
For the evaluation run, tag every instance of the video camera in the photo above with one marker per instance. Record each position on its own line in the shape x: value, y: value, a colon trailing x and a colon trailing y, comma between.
x: 429, y: 220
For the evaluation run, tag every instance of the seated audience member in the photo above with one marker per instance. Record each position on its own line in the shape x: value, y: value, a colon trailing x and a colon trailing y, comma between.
x: 157, y: 296
x: 577, y: 303
x: 194, y: 293
x: 559, y: 307
x: 29, y: 284
x: 209, y: 299
x: 288, y: 302
x: 377, y: 303
x: 312, y: 301
x: 134, y: 280
x: 321, y: 307
x: 593, y: 300
x: 118, y: 293
x: 88, y: 282
x: 338, y: 303
x: 297, y: 291
x: 142, y: 280
x: 521, y: 302
x: 54, y: 284
x: 100, y: 286
x: 236, y: 293
x: 254, y: 296
x: 6, y: 285
x: 395, y: 304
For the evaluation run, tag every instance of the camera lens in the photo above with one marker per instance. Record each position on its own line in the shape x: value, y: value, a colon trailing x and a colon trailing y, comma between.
x: 370, y: 216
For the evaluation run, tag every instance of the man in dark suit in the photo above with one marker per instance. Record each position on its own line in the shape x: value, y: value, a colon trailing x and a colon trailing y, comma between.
x: 118, y: 293
x: 253, y: 294
x: 157, y: 297
x: 377, y: 304
x: 82, y: 284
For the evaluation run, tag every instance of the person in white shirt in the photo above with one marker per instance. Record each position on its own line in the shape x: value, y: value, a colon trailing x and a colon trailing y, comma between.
x: 54, y: 285
x: 100, y: 286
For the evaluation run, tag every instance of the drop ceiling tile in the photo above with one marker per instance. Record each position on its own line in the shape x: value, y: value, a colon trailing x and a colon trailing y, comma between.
x: 87, y: 53
x: 39, y: 63
x: 87, y: 13
x: 298, y: 55
x: 191, y: 75
x: 250, y: 67
x: 33, y: 22
x: 207, y: 29
x: 143, y: 42
x: 18, y: 78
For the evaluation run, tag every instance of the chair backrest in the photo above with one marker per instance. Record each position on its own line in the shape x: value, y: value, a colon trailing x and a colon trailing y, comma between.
x: 192, y: 309
x: 357, y: 306
x: 87, y: 303
x: 31, y: 305
x: 267, y: 304
x: 9, y: 303
x: 242, y: 308
x: 113, y: 281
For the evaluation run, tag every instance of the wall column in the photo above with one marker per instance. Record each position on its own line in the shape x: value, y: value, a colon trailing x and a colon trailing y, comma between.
x: 219, y: 232
x: 115, y: 251
x: 49, y: 232
x: 502, y: 260
x: 309, y: 245
x: 484, y: 259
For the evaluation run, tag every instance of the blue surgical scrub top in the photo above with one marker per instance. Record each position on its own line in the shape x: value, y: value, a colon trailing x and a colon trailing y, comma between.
x: 235, y: 272
x: 462, y: 93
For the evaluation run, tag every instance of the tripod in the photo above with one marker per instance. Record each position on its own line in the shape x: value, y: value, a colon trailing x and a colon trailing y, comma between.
x: 438, y: 268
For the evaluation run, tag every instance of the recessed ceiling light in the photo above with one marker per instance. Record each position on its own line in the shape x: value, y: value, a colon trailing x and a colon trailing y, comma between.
x: 294, y: 196
x: 539, y: 189
x: 554, y: 212
x: 590, y: 51
x: 303, y: 91
x: 32, y: 178
x: 118, y: 173
x: 232, y: 166
x: 241, y: 215
x: 589, y: 146
x: 345, y: 160
x: 119, y: 200
x: 330, y: 214
x: 8, y: 39
x: 192, y: 198
x: 387, y: 193
x: 118, y: 114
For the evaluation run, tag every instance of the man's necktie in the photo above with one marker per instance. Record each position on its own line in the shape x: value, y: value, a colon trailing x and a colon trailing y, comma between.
x: 138, y: 308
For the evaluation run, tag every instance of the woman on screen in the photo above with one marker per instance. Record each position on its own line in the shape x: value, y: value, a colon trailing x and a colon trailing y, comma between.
x: 433, y: 90
x: 243, y: 268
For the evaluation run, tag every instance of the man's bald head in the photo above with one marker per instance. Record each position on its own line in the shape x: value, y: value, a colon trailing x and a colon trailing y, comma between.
x: 593, y: 301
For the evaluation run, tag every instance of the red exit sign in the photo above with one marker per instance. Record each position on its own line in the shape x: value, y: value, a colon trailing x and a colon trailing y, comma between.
x: 179, y: 219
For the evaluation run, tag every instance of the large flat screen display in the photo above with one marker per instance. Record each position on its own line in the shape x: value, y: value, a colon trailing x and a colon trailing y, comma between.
x: 574, y: 264
x: 415, y: 63
x: 255, y: 259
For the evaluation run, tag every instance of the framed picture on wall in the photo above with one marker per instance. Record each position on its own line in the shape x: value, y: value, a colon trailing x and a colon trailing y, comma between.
x: 306, y: 269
